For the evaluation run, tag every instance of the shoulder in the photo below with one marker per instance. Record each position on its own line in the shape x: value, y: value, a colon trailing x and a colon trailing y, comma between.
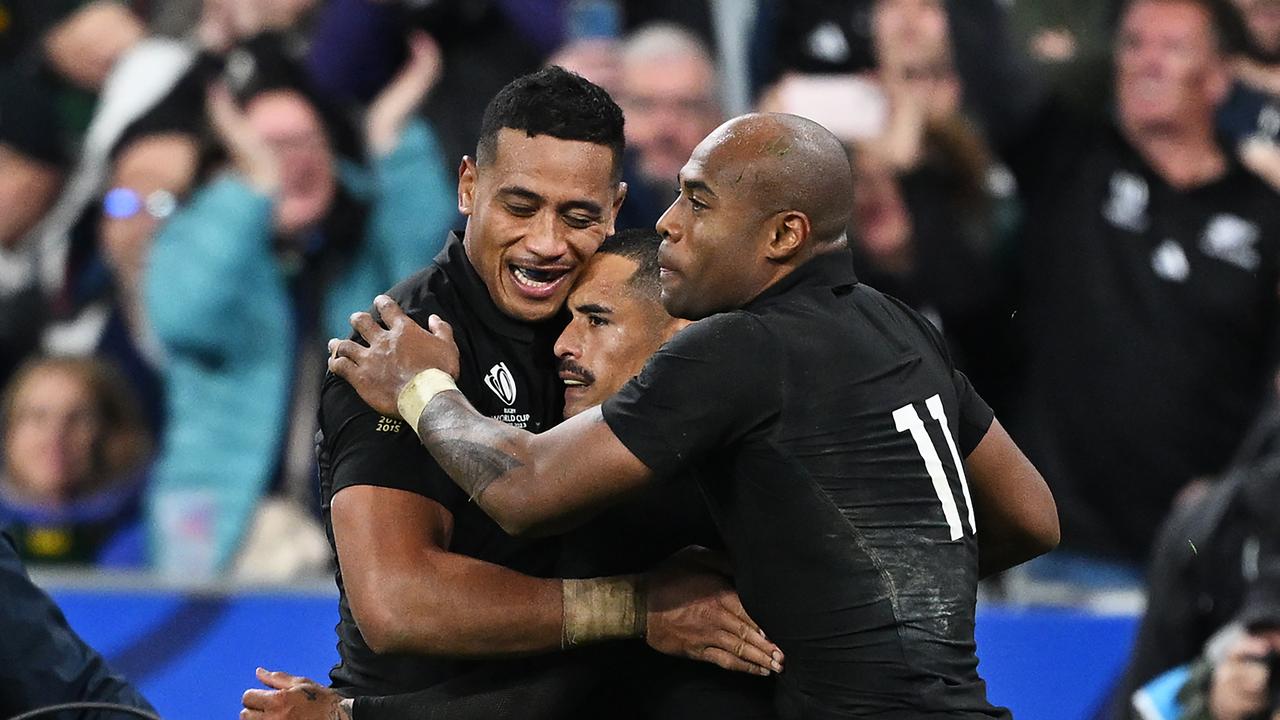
x: 726, y: 348
x: 430, y: 291
x: 736, y: 330
x: 917, y: 328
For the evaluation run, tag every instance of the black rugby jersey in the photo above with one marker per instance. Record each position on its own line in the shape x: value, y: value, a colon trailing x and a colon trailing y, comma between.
x: 508, y: 373
x: 826, y: 425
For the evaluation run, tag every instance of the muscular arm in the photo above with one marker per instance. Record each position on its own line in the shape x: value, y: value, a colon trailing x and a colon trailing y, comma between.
x: 530, y: 484
x: 1017, y: 518
x: 408, y: 593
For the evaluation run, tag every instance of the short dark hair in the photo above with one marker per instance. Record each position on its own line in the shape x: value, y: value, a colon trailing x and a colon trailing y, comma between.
x: 641, y: 246
x: 554, y: 102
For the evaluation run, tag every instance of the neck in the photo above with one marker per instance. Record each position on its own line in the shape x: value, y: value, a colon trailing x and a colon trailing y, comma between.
x: 1184, y: 156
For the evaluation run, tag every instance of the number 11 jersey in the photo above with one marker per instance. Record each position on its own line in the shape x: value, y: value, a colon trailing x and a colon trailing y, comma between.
x: 827, y: 427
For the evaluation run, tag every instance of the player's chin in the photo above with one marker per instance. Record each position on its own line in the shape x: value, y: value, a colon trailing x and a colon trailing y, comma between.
x: 576, y: 399
x: 533, y: 310
x: 675, y: 302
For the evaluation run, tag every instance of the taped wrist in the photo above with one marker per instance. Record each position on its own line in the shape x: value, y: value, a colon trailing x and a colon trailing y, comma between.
x: 413, y: 398
x: 595, y: 609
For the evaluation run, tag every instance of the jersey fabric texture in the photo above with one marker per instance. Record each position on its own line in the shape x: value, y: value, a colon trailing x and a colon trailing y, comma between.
x: 508, y: 372
x: 825, y: 423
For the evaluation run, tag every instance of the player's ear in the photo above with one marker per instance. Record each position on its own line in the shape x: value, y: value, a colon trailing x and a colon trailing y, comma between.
x: 790, y: 231
x: 466, y: 185
x: 617, y: 205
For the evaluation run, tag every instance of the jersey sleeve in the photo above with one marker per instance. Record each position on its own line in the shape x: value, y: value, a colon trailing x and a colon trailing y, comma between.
x: 710, y: 386
x: 365, y: 448
x: 976, y: 415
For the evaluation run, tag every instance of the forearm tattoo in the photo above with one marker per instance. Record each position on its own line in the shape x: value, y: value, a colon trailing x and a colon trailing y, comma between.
x: 468, y: 446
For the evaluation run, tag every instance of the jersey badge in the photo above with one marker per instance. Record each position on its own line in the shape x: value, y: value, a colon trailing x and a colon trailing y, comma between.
x: 1170, y: 262
x: 500, y: 381
x: 1127, y: 206
x: 1232, y: 239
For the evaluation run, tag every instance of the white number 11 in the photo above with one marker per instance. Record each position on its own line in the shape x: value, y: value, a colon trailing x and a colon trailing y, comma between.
x: 907, y: 419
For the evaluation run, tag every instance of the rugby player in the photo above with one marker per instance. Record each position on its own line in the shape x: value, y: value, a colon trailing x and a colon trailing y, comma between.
x: 824, y: 421
x: 430, y: 588
x: 617, y: 322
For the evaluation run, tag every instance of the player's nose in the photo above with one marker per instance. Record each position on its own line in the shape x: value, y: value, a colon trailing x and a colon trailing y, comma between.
x: 567, y: 345
x: 667, y: 227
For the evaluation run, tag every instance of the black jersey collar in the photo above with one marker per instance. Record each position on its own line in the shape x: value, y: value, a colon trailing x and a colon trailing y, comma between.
x: 830, y: 269
x: 455, y: 263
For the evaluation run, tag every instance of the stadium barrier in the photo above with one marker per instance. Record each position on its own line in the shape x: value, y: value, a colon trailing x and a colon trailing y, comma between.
x: 193, y: 651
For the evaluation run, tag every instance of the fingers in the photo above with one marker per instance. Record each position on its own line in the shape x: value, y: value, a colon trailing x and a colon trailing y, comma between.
x: 728, y: 661
x: 740, y: 624
x: 343, y: 368
x: 260, y: 699
x: 390, y: 311
x: 248, y: 714
x: 369, y: 329
x: 280, y: 680
x: 440, y: 328
x: 350, y: 349
x: 737, y: 646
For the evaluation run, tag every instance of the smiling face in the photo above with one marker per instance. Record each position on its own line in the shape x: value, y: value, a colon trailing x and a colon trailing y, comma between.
x: 1169, y: 71
x: 535, y: 214
x: 615, y: 327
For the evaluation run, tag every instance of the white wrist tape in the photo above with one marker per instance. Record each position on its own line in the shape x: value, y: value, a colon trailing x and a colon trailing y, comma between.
x: 421, y: 389
x: 610, y: 608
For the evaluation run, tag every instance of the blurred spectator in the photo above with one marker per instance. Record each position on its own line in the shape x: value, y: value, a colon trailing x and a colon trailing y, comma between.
x: 63, y: 56
x: 1070, y: 42
x: 155, y: 166
x: 925, y: 218
x: 1206, y: 556
x: 55, y: 86
x: 667, y: 89
x: 1251, y: 115
x: 75, y: 449
x: 1150, y: 311
x: 246, y: 282
x: 1232, y: 679
x: 925, y: 236
x: 832, y: 37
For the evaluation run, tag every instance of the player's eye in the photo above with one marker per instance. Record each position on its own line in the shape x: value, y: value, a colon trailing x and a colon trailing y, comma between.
x: 696, y: 204
x: 579, y: 222
x: 521, y: 210
x: 596, y: 321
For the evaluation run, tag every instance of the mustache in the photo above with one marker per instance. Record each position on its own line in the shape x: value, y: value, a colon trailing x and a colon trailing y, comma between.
x: 568, y: 366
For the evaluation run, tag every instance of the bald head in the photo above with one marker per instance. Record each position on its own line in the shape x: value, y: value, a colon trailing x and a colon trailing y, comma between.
x: 784, y: 162
x: 759, y: 197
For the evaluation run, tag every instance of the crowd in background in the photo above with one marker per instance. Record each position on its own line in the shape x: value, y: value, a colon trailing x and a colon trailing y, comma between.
x: 1082, y: 195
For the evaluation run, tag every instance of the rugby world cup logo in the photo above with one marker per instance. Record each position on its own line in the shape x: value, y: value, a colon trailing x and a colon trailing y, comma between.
x: 499, y: 380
